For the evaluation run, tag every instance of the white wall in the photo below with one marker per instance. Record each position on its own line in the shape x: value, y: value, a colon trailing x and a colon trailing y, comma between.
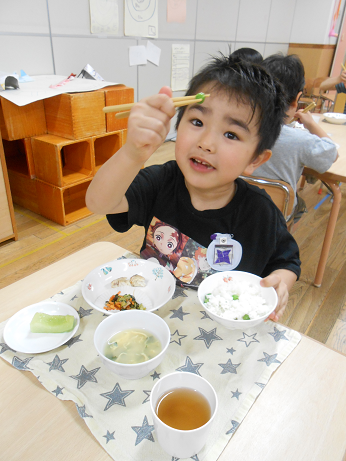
x: 53, y: 36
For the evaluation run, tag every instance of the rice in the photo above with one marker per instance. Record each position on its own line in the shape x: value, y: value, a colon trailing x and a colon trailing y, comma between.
x: 234, y: 299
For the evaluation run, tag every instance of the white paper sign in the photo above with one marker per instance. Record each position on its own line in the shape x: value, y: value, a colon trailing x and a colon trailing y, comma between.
x: 180, y: 67
x: 153, y: 53
x: 137, y: 55
x: 104, y: 17
x: 140, y: 18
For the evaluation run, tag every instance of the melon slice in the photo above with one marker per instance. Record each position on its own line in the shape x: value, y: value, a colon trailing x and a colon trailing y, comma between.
x: 45, y: 323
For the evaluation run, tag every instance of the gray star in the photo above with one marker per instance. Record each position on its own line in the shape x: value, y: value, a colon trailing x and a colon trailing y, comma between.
x: 178, y: 313
x: 269, y: 359
x: 82, y: 413
x: 57, y: 364
x: 73, y: 341
x: 235, y: 424
x: 178, y: 340
x: 116, y: 397
x: 277, y: 334
x: 195, y: 458
x: 109, y: 436
x: 21, y: 364
x: 144, y: 431
x: 179, y: 292
x: 5, y: 347
x: 261, y: 385
x: 147, y: 398
x: 230, y: 351
x: 208, y: 336
x: 84, y: 376
x: 84, y: 312
x: 155, y: 375
x: 244, y: 340
x: 236, y: 394
x: 205, y: 315
x: 190, y: 367
x: 75, y: 297
x: 58, y: 391
x: 228, y: 367
x: 61, y: 293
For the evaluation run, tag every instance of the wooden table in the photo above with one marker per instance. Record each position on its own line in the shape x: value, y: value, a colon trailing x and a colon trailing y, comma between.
x: 335, y: 174
x: 300, y: 415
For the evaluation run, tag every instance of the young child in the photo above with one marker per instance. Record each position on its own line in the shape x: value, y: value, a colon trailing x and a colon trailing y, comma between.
x: 200, y: 194
x: 335, y: 83
x: 248, y: 54
x: 296, y: 148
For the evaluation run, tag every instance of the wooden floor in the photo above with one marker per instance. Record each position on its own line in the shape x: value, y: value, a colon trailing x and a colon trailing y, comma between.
x: 318, y: 312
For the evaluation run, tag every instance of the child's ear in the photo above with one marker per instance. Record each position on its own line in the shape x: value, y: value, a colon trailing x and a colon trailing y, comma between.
x: 258, y: 161
x: 295, y: 102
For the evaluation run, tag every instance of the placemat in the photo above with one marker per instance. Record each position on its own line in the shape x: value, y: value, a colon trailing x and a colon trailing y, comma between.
x: 238, y: 363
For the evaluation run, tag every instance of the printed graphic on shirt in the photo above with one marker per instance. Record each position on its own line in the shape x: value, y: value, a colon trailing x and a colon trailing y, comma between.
x: 182, y: 256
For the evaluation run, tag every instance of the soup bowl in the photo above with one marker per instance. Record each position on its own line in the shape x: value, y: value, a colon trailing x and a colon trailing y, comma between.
x: 132, y: 320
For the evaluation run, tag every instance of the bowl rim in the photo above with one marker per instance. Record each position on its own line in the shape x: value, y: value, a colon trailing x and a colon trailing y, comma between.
x: 143, y: 261
x: 131, y: 365
x: 263, y: 317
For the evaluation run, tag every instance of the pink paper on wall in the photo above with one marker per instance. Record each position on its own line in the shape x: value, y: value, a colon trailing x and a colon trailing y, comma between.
x: 176, y: 10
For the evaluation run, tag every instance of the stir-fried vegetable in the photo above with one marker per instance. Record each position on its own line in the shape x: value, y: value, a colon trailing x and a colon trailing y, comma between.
x: 122, y: 303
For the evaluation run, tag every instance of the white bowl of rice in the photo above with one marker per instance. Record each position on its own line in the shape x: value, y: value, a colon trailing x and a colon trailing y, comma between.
x: 236, y: 299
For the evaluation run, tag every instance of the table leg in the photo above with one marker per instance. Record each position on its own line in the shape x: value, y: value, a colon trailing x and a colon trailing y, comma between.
x: 329, y: 233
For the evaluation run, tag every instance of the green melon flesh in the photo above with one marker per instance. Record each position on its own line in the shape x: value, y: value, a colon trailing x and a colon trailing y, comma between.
x: 45, y: 323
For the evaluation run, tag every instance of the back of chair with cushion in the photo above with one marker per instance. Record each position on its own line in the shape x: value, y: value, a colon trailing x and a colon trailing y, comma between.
x: 339, y: 104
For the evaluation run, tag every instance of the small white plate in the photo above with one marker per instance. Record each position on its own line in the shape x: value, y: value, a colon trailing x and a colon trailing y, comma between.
x: 335, y: 118
x: 18, y: 336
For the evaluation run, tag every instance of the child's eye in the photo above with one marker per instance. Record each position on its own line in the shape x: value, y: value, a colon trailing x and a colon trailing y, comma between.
x: 196, y: 122
x: 230, y: 135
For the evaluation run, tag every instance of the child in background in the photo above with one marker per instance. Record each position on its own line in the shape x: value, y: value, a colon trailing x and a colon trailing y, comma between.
x: 200, y: 193
x: 296, y: 148
x: 248, y: 54
x: 335, y: 83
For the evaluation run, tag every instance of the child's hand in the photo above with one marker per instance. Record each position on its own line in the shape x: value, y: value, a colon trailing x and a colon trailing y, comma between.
x: 306, y: 119
x: 343, y: 77
x: 275, y: 281
x: 149, y: 124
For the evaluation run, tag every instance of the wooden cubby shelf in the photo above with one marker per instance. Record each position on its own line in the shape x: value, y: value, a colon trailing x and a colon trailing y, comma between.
x: 105, y: 146
x: 19, y: 157
x: 62, y: 162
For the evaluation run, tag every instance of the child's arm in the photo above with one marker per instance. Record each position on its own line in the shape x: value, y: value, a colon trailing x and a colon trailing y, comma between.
x: 282, y: 280
x: 330, y: 83
x: 148, y: 126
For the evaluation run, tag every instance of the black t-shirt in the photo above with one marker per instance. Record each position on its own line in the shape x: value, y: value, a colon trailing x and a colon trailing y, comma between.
x: 158, y: 193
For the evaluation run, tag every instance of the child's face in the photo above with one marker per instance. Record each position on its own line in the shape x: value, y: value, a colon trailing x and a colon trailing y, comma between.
x: 216, y: 142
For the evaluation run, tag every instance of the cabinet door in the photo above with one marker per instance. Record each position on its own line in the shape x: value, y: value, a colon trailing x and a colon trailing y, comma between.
x: 7, y: 223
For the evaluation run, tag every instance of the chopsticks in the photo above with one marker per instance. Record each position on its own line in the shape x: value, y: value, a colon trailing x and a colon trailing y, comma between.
x: 307, y: 108
x: 343, y: 67
x: 177, y: 101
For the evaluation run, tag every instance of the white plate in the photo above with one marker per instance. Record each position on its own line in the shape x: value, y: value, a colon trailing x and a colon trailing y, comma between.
x: 334, y: 117
x: 159, y: 289
x: 18, y: 336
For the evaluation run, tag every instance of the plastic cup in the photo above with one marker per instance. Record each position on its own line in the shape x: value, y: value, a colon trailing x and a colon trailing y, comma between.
x: 176, y: 442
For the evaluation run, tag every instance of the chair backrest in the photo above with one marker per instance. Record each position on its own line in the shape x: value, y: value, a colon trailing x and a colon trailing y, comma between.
x: 339, y: 103
x: 280, y: 192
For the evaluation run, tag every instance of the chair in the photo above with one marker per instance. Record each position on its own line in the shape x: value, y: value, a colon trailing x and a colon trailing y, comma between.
x: 339, y: 104
x: 280, y: 192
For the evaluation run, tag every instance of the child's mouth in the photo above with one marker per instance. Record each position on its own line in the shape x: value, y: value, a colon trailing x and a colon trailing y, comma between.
x: 200, y: 165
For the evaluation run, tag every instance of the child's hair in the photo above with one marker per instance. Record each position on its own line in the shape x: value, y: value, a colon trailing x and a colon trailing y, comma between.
x: 289, y: 70
x: 249, y: 84
x: 248, y: 54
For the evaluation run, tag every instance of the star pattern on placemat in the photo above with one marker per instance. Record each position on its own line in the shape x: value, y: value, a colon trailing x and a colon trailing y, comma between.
x: 109, y: 436
x: 229, y: 367
x: 179, y: 291
x: 73, y: 341
x: 236, y: 394
x: 147, y: 398
x: 230, y: 351
x: 155, y: 375
x: 144, y: 431
x: 84, y: 376
x: 208, y: 336
x: 116, y: 396
x: 269, y: 359
x: 176, y: 338
x: 84, y: 312
x: 21, y: 364
x: 235, y: 424
x: 57, y: 364
x: 178, y: 313
x: 5, y: 347
x: 74, y: 297
x: 261, y: 385
x: 205, y: 316
x: 190, y: 367
x: 278, y: 335
x: 81, y: 411
x: 58, y: 391
x: 247, y: 343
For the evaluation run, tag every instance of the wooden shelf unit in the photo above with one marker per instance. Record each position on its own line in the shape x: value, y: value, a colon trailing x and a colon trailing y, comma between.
x: 8, y: 228
x: 19, y: 156
x: 105, y: 146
